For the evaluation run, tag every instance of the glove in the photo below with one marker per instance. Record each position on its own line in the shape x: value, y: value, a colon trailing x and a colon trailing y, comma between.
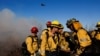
x: 79, y: 51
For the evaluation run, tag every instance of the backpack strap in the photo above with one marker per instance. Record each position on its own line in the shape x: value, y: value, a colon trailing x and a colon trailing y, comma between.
x: 76, y: 38
x: 54, y: 39
x: 47, y: 36
x: 32, y: 37
x: 45, y: 30
x: 24, y: 43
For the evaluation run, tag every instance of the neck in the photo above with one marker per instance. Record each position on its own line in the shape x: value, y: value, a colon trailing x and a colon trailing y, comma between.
x: 61, y: 32
x: 34, y: 34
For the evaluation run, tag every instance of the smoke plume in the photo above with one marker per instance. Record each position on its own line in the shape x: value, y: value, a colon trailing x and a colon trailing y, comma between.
x: 14, y: 30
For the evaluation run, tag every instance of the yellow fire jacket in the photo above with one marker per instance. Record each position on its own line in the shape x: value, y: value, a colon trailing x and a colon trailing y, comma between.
x: 63, y: 43
x: 32, y: 47
x: 48, y: 43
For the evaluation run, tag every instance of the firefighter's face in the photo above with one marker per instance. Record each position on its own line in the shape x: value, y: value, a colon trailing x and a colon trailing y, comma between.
x: 71, y: 28
x: 60, y: 30
x: 55, y: 29
x: 34, y: 33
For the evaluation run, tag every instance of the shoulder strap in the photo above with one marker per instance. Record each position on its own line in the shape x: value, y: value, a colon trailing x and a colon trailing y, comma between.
x: 24, y: 43
x: 45, y: 30
x: 32, y: 37
x: 76, y: 37
x: 47, y: 35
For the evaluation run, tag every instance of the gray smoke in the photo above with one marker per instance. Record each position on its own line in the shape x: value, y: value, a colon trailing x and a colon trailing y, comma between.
x: 14, y: 30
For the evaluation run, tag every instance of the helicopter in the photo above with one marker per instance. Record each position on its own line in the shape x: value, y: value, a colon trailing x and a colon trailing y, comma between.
x: 42, y: 4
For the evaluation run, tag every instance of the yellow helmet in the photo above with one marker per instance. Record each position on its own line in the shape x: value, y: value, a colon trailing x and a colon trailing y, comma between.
x: 98, y: 25
x: 55, y: 23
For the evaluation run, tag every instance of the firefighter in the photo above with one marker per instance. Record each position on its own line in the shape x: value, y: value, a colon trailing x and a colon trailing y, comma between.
x: 80, y: 36
x: 43, y: 37
x: 50, y: 40
x: 96, y: 40
x: 64, y: 45
x: 32, y: 42
x: 48, y: 25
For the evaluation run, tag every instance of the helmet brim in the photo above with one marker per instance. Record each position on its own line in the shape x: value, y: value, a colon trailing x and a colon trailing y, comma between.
x: 57, y: 26
x: 98, y: 26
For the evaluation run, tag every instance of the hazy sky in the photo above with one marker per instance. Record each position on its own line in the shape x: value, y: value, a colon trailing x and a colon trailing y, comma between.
x: 87, y: 11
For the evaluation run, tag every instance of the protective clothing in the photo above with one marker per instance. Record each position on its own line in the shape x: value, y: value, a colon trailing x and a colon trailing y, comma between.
x: 32, y: 44
x: 34, y: 30
x: 53, y: 42
x: 44, y: 36
x: 44, y: 45
x: 96, y: 33
x: 80, y: 35
x: 63, y: 43
x: 48, y: 44
x: 83, y: 38
x: 74, y: 23
x: 64, y: 49
x: 96, y: 40
x: 77, y: 25
x: 93, y: 34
